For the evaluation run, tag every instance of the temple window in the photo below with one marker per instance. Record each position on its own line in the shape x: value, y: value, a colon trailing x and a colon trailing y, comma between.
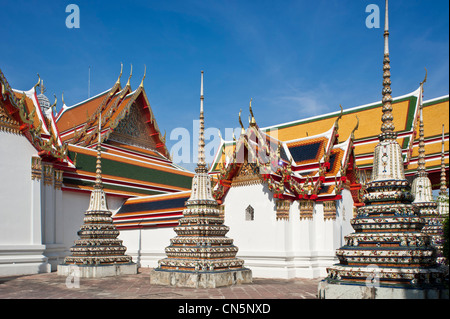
x: 249, y: 213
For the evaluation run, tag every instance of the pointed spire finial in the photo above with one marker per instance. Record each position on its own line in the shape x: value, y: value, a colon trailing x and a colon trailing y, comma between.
x: 421, y: 169
x: 41, y: 86
x: 425, y: 79
x: 129, y: 78
x: 62, y: 98
x: 355, y: 128
x: 53, y: 106
x: 252, y: 119
x: 38, y: 83
x: 201, y: 165
x: 201, y: 93
x: 120, y: 75
x: 387, y: 128
x: 240, y: 122
x: 386, y: 29
x: 340, y: 116
x: 220, y: 136
x: 98, y: 179
x: 142, y: 81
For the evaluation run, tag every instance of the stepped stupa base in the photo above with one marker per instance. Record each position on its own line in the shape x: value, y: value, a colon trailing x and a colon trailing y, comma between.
x: 327, y: 290
x: 97, y: 271
x: 200, y: 279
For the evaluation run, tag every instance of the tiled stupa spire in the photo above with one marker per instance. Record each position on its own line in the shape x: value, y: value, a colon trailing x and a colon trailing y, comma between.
x: 387, y: 241
x: 387, y: 128
x: 421, y: 186
x: 388, y: 161
x: 201, y: 185
x: 200, y: 247
x: 98, y: 243
x: 442, y: 199
x: 423, y: 192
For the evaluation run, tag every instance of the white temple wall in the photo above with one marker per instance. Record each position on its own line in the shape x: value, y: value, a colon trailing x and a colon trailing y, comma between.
x: 52, y: 222
x: 37, y: 231
x: 21, y: 248
x: 284, y: 248
x: 345, y: 216
x: 147, y: 245
x: 264, y: 233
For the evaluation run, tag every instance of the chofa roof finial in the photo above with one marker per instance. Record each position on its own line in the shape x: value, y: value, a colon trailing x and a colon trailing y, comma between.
x: 131, y: 74
x: 240, y: 122
x: 142, y: 81
x: 38, y: 83
x: 252, y: 119
x: 120, y: 75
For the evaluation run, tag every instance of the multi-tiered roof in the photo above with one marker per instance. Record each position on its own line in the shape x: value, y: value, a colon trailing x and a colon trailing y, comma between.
x: 21, y: 113
x: 309, y: 169
x: 136, y: 161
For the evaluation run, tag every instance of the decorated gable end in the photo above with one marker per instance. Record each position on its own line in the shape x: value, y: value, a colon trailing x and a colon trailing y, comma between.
x: 309, y: 169
x: 136, y: 160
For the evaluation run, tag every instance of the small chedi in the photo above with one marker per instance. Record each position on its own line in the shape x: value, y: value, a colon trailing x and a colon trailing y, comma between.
x: 423, y: 195
x: 200, y: 256
x: 98, y: 252
x: 388, y: 256
x: 442, y: 199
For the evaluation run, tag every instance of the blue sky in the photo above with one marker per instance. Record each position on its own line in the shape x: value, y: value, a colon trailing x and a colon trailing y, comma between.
x: 295, y: 59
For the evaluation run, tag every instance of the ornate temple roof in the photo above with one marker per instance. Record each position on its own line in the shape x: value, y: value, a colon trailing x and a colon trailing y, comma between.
x: 21, y: 110
x: 311, y: 131
x: 313, y: 167
x: 125, y: 173
x: 135, y: 157
x: 78, y: 123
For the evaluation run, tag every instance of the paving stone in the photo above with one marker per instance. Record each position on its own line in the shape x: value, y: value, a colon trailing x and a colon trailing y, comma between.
x: 52, y: 286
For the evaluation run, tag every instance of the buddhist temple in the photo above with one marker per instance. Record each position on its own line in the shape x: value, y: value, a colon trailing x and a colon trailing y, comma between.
x: 303, y: 189
x: 301, y: 182
x: 388, y: 256
x: 201, y: 256
x: 331, y: 179
x: 55, y: 169
x: 32, y: 159
x: 296, y: 190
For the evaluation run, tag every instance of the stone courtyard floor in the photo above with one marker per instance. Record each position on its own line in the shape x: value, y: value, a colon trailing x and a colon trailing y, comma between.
x: 52, y: 286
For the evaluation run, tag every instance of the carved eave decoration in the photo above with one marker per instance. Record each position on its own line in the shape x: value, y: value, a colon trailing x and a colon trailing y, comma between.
x: 160, y: 140
x: 8, y: 124
x: 9, y: 116
x: 48, y: 148
x: 283, y: 208
x: 276, y: 166
x: 247, y: 175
